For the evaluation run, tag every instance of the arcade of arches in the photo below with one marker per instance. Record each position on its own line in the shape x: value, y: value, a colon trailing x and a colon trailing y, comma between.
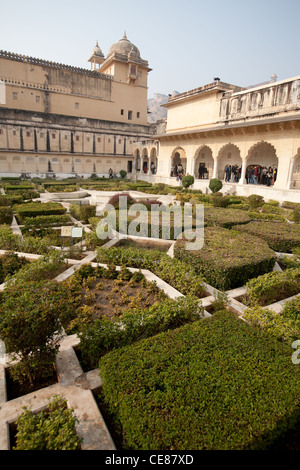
x: 146, y: 161
x: 259, y: 166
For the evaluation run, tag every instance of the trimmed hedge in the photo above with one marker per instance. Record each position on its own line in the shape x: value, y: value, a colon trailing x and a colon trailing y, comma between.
x: 226, y: 218
x: 83, y: 212
x: 37, y: 209
x: 46, y: 221
x: 285, y: 326
x: 104, y: 334
x: 280, y: 236
x: 272, y: 287
x: 228, y: 258
x: 6, y: 215
x: 215, y: 384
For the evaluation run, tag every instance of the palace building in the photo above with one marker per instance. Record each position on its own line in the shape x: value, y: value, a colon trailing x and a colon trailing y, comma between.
x: 252, y: 133
x: 64, y: 121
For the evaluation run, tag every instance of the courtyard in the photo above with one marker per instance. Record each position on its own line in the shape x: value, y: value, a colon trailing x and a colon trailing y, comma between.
x: 154, y: 347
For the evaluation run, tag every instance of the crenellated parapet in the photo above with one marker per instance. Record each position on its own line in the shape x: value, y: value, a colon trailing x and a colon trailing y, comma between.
x: 47, y: 63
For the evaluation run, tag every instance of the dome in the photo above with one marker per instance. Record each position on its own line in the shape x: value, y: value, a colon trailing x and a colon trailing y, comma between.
x: 97, y: 51
x: 125, y: 47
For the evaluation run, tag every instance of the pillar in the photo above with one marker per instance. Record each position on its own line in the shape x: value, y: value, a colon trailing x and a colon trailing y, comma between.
x: 215, y: 170
x: 243, y: 172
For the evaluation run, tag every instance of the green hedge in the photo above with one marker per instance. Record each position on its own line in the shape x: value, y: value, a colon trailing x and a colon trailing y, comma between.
x: 272, y: 287
x: 280, y: 236
x: 285, y: 326
x: 27, y: 244
x: 224, y: 217
x: 215, y: 384
x: 46, y: 221
x: 10, y: 263
x: 50, y: 429
x: 6, y: 215
x: 19, y: 187
x: 104, y: 335
x: 44, y: 268
x: 176, y: 273
x: 37, y: 209
x: 228, y: 258
x: 83, y: 212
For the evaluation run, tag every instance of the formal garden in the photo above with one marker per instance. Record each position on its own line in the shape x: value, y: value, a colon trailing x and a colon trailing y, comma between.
x: 140, y: 343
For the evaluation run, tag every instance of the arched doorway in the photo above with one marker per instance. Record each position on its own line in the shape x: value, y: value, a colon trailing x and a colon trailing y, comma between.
x: 178, y: 159
x: 204, y: 163
x: 153, y: 161
x: 262, y: 164
x: 145, y: 163
x: 296, y: 174
x: 229, y: 163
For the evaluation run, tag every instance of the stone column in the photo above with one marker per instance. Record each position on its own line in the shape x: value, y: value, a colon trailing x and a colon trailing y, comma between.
x: 290, y: 173
x: 243, y: 172
x: 215, y: 170
x: 284, y: 172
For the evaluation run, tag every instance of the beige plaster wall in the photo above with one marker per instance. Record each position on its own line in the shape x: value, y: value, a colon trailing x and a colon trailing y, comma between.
x: 193, y: 113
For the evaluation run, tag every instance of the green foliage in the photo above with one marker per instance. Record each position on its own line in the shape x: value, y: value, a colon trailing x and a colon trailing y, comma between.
x: 220, y: 201
x: 104, y: 335
x: 46, y: 267
x: 83, y: 212
x: 228, y: 258
x: 175, y: 272
x: 50, y: 429
x: 255, y: 201
x: 123, y: 174
x: 6, y: 215
x: 46, y: 221
x: 187, y: 181
x: 30, y: 322
x: 9, y: 264
x: 284, y: 326
x: 215, y: 185
x: 227, y: 218
x: 290, y: 205
x: 8, y: 240
x: 280, y: 236
x: 272, y: 287
x: 296, y: 215
x: 37, y: 209
x: 214, y: 384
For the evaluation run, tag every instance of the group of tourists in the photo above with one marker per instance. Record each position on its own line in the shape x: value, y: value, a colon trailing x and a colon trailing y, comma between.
x: 256, y: 174
x: 177, y: 171
x: 152, y: 168
x: 232, y: 173
x: 202, y: 172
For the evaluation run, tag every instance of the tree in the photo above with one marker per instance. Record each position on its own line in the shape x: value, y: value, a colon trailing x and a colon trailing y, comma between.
x: 215, y: 185
x: 30, y: 325
x: 187, y: 181
x: 123, y: 174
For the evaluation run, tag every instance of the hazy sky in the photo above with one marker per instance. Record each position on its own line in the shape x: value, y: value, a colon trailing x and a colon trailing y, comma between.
x: 187, y: 43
